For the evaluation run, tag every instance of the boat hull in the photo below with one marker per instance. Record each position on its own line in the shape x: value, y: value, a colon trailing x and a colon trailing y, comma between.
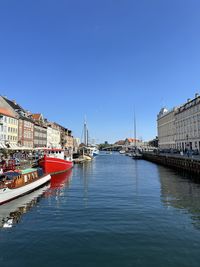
x: 55, y: 165
x: 7, y: 194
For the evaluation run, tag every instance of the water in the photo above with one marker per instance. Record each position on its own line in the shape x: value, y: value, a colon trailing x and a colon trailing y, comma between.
x: 113, y: 211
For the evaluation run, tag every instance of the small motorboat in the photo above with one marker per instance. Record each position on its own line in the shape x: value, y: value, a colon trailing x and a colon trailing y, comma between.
x: 14, y: 184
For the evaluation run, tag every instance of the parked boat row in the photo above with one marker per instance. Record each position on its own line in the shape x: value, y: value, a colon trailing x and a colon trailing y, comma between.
x: 15, y: 183
x: 135, y: 154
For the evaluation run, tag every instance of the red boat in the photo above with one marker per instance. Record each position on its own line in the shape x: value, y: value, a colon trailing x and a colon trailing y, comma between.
x: 55, y: 161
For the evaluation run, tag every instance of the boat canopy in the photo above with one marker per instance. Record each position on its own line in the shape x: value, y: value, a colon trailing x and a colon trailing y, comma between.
x: 28, y: 170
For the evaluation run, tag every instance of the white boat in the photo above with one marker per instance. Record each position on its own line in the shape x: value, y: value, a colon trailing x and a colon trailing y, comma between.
x: 92, y: 150
x: 95, y: 152
x: 88, y: 149
x: 14, y: 184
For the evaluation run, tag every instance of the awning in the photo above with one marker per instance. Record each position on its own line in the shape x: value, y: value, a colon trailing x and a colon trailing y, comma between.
x: 11, y: 146
x: 2, y: 145
x: 15, y: 147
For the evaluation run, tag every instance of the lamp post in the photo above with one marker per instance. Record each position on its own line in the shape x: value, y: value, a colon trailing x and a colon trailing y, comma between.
x: 187, y: 137
x: 187, y: 144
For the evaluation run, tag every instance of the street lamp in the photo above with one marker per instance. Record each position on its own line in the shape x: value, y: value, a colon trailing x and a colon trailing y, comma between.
x: 187, y: 137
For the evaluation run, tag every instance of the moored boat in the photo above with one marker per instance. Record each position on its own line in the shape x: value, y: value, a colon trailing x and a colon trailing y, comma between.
x: 14, y: 184
x: 94, y: 151
x: 55, y: 161
x: 137, y: 155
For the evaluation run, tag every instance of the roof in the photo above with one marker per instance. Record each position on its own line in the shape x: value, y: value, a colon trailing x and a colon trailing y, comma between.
x: 120, y: 142
x: 18, y: 109
x: 13, y: 104
x: 132, y: 140
x: 6, y: 112
x: 36, y: 116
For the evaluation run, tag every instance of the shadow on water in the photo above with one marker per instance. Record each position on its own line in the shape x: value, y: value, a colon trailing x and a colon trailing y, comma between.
x: 12, y: 212
x: 181, y: 190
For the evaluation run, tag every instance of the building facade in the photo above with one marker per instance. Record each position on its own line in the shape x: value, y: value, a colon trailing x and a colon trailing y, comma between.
x: 133, y: 142
x: 26, y: 130
x: 69, y: 141
x: 187, y: 121
x: 40, y: 131
x: 8, y: 125
x: 53, y: 136
x: 8, y: 129
x: 180, y: 128
x: 25, y: 124
x: 166, y: 128
x: 40, y: 136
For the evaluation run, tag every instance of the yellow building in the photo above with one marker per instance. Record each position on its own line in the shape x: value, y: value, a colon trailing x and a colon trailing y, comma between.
x: 12, y: 126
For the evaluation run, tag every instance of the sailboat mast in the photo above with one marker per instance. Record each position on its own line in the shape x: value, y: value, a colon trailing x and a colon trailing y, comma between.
x: 85, y: 133
x: 134, y: 130
x: 87, y: 138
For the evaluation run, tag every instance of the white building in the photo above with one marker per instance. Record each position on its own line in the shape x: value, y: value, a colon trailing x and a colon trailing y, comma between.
x: 53, y: 138
x: 180, y: 128
x: 166, y: 128
x: 187, y: 123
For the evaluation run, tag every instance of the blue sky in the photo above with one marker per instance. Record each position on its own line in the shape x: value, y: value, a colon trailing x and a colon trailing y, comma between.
x: 100, y: 58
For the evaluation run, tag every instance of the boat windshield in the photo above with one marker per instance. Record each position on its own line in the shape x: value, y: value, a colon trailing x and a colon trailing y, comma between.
x: 10, y: 175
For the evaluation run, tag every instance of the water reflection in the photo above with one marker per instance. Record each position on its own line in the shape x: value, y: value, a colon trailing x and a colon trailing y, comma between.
x: 181, y: 192
x: 11, y: 212
x: 58, y: 189
x: 61, y: 180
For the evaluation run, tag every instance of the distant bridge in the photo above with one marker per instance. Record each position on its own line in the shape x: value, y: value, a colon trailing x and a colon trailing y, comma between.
x: 125, y: 147
x: 113, y: 148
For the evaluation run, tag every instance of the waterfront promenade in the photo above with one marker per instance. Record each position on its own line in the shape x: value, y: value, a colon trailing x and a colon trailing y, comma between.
x: 185, y: 162
x: 111, y: 212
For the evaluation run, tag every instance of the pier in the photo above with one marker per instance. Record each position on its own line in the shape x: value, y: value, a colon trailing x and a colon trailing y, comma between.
x: 189, y: 164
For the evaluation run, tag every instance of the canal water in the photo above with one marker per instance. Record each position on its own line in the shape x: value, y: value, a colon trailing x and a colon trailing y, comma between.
x: 113, y: 211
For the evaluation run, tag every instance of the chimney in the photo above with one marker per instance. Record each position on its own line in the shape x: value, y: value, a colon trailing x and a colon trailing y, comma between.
x: 188, y: 100
x: 196, y: 95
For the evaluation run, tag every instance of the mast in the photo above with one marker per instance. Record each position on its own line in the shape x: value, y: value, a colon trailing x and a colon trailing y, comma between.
x: 87, y: 138
x: 134, y: 130
x: 85, y: 133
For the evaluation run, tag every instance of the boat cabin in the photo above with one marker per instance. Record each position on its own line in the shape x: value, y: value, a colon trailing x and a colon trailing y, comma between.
x: 54, y: 153
x: 16, y: 179
x: 57, y: 153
